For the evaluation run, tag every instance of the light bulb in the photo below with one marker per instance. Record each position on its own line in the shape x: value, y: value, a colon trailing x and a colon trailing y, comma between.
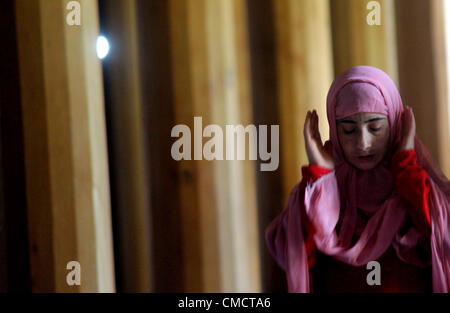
x: 102, y: 47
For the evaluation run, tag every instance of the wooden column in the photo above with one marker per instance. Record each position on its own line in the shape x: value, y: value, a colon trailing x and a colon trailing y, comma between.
x: 65, y: 147
x: 129, y: 165
x: 154, y: 46
x: 355, y: 42
x: 304, y: 63
x: 262, y: 40
x: 423, y: 72
x: 291, y: 64
x: 218, y: 202
x: 235, y: 181
x: 197, y: 192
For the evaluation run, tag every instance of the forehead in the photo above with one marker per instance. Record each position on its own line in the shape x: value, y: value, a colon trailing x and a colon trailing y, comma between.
x: 363, y: 117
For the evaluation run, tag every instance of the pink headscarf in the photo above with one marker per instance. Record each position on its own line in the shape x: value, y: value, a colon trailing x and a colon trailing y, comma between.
x: 356, y: 213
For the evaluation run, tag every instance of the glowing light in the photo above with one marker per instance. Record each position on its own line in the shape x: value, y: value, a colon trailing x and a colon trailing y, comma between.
x: 102, y: 47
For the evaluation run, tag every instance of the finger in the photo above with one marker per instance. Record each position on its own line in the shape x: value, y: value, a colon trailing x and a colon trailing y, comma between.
x: 316, y: 122
x: 316, y: 129
x: 317, y: 126
x: 413, y: 120
x: 405, y: 119
x: 310, y: 121
x: 313, y: 124
x: 306, y: 129
x: 313, y: 118
x: 405, y: 114
x: 411, y: 114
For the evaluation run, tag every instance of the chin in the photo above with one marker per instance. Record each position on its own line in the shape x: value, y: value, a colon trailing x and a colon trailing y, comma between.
x: 364, y: 166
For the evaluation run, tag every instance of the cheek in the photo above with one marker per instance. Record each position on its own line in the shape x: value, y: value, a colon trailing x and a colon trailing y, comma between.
x: 347, y: 144
x: 382, y: 141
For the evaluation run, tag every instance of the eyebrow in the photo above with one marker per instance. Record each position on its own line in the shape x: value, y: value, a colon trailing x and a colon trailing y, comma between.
x: 368, y: 121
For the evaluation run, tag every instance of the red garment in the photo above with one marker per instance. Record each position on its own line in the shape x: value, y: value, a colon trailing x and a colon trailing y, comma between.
x: 411, y: 183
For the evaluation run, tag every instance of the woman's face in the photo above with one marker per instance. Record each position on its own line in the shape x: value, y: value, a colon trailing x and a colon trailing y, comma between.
x: 364, y: 138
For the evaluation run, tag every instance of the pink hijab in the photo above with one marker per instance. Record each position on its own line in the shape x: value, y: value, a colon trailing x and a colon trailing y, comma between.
x: 356, y: 214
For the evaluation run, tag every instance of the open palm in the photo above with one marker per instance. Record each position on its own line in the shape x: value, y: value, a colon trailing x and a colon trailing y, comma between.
x: 408, y: 129
x: 315, y: 149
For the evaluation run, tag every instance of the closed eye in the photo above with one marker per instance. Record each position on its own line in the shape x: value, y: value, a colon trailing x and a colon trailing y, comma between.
x: 348, y: 132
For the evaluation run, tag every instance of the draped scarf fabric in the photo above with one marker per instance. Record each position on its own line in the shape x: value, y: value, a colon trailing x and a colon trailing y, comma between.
x: 356, y: 214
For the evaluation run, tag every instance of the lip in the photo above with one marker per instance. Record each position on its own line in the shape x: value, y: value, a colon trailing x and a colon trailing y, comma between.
x: 367, y: 158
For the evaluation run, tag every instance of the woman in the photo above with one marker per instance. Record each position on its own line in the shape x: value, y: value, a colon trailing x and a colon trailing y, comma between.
x: 371, y: 193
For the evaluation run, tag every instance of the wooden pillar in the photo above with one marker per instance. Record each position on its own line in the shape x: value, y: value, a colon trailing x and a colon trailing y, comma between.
x: 291, y: 64
x: 154, y: 46
x: 129, y: 181
x: 65, y: 147
x: 355, y: 42
x: 423, y: 73
x: 262, y: 40
x: 235, y: 181
x: 218, y: 202
x: 304, y: 63
x: 197, y: 194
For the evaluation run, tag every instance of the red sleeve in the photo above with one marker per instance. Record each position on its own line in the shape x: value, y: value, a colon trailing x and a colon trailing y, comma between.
x: 411, y: 183
x: 309, y: 175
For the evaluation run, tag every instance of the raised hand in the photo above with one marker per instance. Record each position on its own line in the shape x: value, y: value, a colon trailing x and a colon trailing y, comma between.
x: 313, y: 142
x: 408, y: 130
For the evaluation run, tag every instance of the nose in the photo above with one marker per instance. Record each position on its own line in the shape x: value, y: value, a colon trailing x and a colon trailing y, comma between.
x: 364, y: 141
